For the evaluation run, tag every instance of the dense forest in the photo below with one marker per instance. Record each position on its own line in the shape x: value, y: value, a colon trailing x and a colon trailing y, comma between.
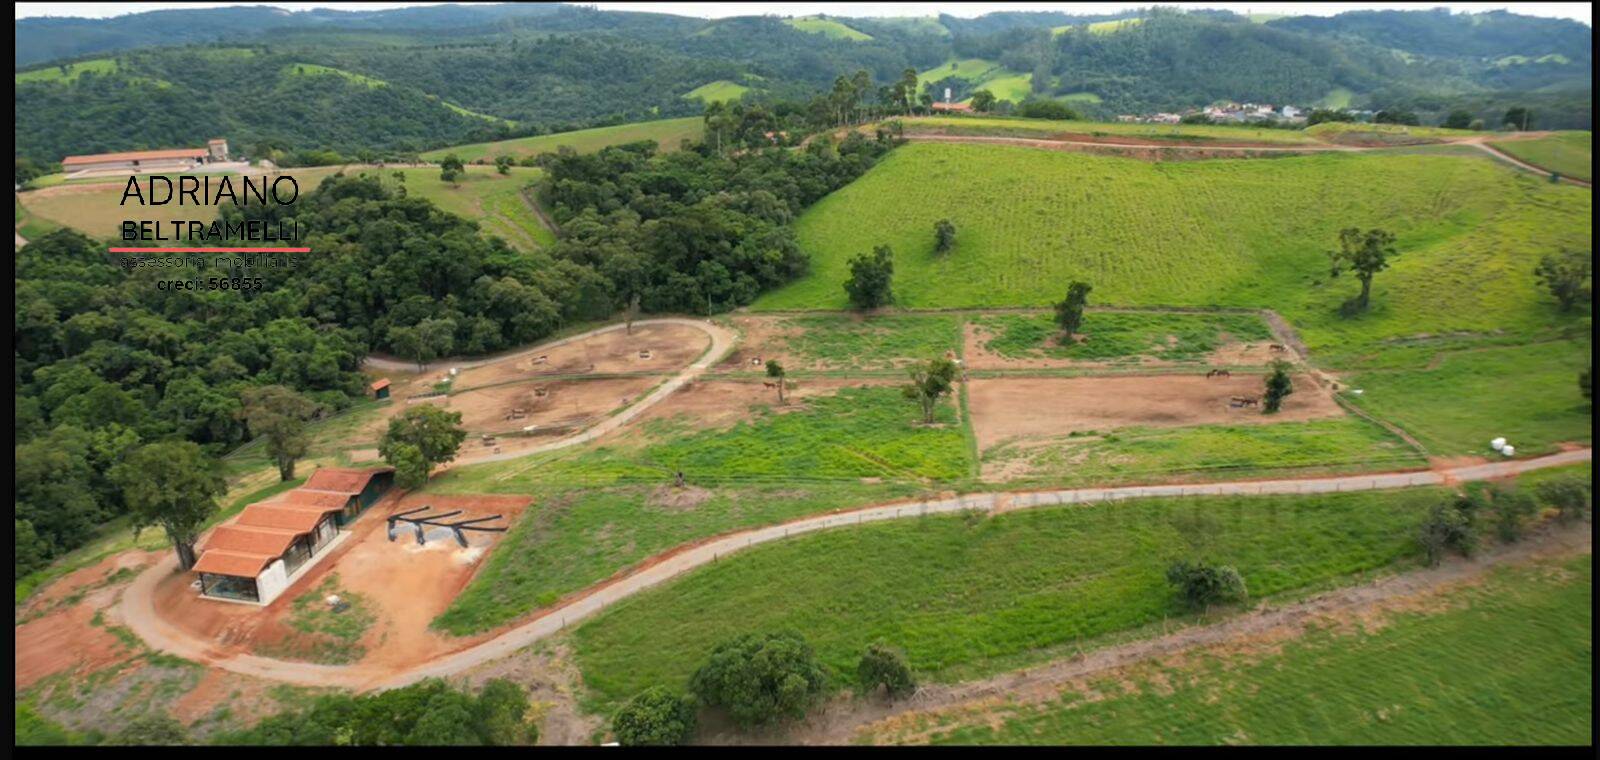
x: 402, y: 81
x: 104, y: 361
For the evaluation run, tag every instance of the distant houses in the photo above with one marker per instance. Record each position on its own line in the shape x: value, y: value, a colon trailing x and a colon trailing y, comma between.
x: 1225, y: 113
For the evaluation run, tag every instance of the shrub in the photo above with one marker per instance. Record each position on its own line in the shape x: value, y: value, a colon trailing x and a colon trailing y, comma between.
x: 1201, y: 585
x: 1513, y: 510
x: 1569, y: 496
x: 761, y: 677
x: 1448, y: 527
x: 882, y: 666
x: 654, y: 717
x: 152, y: 731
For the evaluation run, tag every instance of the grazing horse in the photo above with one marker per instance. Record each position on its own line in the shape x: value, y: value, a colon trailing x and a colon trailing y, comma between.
x: 1244, y: 401
x: 765, y: 384
x: 1278, y: 347
x: 1218, y: 373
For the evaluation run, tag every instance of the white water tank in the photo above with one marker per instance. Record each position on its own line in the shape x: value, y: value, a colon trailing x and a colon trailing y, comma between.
x: 1509, y: 450
x: 1497, y: 444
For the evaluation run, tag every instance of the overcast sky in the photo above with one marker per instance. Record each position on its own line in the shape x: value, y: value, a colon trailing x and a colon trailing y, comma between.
x: 1578, y: 11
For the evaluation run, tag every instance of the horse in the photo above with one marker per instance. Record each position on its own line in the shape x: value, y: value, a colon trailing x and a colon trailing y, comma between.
x: 1218, y: 373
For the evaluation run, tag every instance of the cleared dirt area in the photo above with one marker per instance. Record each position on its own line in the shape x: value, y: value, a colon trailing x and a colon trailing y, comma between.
x: 57, y: 631
x: 670, y: 347
x: 403, y: 584
x: 1010, y: 408
x: 1231, y: 354
x: 761, y: 339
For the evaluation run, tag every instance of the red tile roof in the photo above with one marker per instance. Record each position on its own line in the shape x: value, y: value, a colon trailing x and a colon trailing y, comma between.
x: 280, y: 516
x: 381, y: 383
x: 342, y: 480
x: 244, y: 539
x: 136, y: 155
x: 237, y: 564
x: 301, y: 497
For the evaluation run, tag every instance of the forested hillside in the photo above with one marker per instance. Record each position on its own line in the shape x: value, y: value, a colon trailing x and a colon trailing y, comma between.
x: 421, y: 78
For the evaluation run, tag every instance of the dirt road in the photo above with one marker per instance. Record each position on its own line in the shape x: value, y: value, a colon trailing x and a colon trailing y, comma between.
x: 1520, y: 164
x: 138, y: 613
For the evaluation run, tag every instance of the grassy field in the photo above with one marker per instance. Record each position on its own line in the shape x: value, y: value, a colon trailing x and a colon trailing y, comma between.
x: 1121, y: 336
x: 68, y: 72
x: 973, y: 69
x: 1528, y: 394
x: 667, y: 133
x: 1567, y: 153
x: 968, y: 595
x: 717, y: 92
x: 1507, y: 662
x: 1100, y: 27
x: 827, y: 27
x: 1396, y: 134
x: 1239, y: 233
x: 1045, y: 128
x: 876, y: 342
x: 484, y: 195
x: 1212, y: 452
x: 1012, y: 87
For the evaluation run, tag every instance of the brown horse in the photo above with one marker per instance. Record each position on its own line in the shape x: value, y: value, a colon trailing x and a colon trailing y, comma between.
x: 1218, y: 373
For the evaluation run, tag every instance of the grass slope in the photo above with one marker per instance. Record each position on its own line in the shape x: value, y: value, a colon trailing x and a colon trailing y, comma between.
x: 717, y: 92
x: 827, y: 27
x: 1205, y: 233
x: 1567, y: 153
x: 969, y: 595
x: 1509, y: 662
x: 1045, y: 128
x: 69, y: 72
x: 484, y: 195
x: 667, y: 133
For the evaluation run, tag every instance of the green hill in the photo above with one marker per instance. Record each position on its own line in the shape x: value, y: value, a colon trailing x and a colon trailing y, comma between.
x: 1203, y: 233
x: 717, y: 92
x: 827, y: 27
x: 667, y: 132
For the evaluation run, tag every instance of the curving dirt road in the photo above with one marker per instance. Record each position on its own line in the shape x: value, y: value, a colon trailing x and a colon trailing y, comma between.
x: 138, y: 610
x: 1484, y: 146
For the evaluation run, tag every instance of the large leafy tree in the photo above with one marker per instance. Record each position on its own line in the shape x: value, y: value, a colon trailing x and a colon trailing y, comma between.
x: 174, y: 485
x: 654, y: 717
x: 871, y: 279
x: 418, y: 440
x: 758, y: 678
x: 930, y: 381
x: 1569, y: 276
x: 1365, y: 252
x: 279, y: 415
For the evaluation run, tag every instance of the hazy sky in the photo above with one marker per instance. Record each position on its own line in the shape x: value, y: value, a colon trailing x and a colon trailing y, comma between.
x: 1578, y: 11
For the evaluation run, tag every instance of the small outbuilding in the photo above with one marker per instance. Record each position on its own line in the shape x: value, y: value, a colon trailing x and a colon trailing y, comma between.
x: 380, y: 389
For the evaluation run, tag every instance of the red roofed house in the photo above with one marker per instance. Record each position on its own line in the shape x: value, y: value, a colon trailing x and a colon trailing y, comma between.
x: 255, y: 556
x: 380, y: 388
x: 179, y: 159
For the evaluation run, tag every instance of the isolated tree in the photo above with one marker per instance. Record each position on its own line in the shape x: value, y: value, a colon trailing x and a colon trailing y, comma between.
x: 1569, y: 276
x: 776, y: 371
x: 1200, y: 585
x: 944, y: 236
x: 882, y: 666
x: 871, y: 279
x: 1457, y: 119
x: 1365, y: 253
x: 1278, y: 387
x: 502, y: 164
x: 983, y: 101
x: 1069, y: 311
x: 1518, y: 118
x: 451, y: 168
x: 930, y: 381
x: 279, y: 415
x: 1448, y: 527
x: 419, y: 439
x: 654, y: 717
x: 174, y: 485
x: 758, y: 678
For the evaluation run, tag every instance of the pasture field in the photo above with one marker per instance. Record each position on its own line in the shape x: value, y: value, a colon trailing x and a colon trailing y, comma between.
x: 827, y: 27
x: 972, y: 69
x: 967, y: 596
x: 1048, y: 128
x: 312, y: 70
x: 1362, y: 133
x: 1505, y: 662
x: 483, y: 195
x: 667, y: 133
x: 845, y: 342
x: 1011, y: 86
x: 1462, y: 399
x: 1233, y: 233
x: 1569, y: 154
x: 68, y: 72
x: 1121, y: 336
x: 717, y: 92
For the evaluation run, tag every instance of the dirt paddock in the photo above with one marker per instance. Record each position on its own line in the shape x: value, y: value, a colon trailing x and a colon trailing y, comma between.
x: 671, y: 347
x: 404, y: 584
x: 1008, y: 408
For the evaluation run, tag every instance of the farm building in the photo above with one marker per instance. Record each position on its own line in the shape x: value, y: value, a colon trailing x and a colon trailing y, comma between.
x: 380, y: 389
x: 255, y: 556
x: 948, y: 107
x: 178, y: 159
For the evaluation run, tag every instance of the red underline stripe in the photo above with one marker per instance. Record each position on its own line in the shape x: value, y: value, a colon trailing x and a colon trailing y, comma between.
x: 210, y: 250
